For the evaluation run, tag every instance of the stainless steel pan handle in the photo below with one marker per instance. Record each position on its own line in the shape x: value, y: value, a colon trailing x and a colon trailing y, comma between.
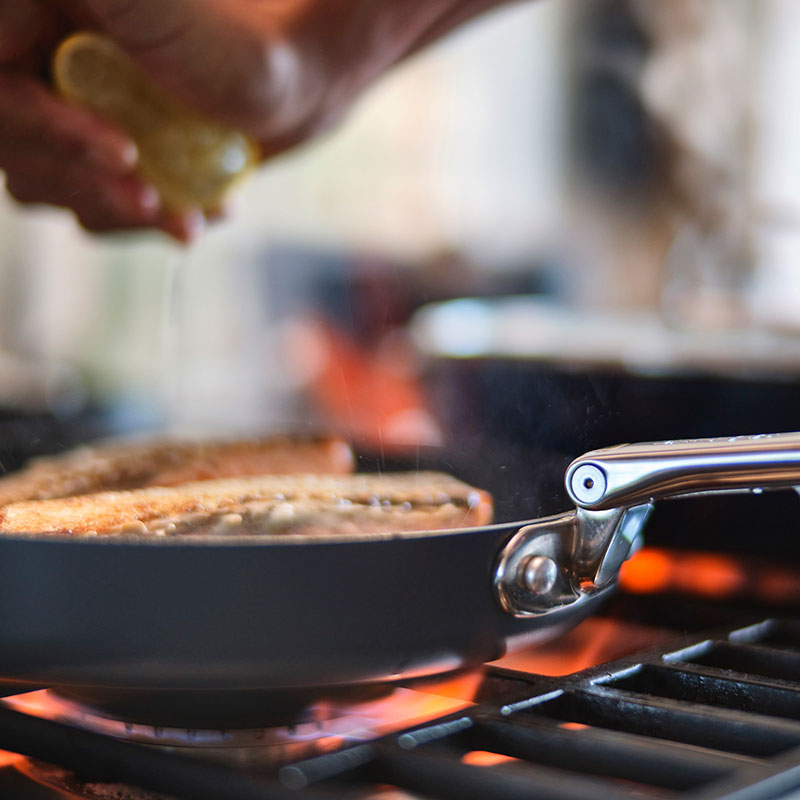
x: 639, y: 473
x: 553, y: 566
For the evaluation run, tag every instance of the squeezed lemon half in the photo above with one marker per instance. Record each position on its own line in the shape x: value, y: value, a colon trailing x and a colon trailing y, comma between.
x: 191, y: 161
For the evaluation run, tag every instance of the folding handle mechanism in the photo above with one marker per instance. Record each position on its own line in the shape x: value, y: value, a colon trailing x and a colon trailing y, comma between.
x: 554, y: 566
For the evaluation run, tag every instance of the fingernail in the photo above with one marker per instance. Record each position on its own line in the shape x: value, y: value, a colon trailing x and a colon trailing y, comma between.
x: 231, y: 204
x: 129, y: 155
x: 117, y: 157
x: 185, y: 226
x: 149, y: 200
x: 194, y: 222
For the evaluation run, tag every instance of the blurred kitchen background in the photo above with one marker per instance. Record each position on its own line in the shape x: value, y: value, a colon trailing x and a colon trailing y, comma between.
x: 626, y: 171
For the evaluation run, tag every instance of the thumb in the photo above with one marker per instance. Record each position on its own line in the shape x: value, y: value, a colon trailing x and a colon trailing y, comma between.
x: 137, y: 25
x: 211, y: 55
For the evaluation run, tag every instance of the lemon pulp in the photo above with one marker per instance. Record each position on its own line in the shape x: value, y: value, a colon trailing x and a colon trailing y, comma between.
x: 190, y: 160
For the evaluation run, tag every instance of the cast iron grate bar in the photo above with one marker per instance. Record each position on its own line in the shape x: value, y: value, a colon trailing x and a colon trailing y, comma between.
x: 441, y: 774
x: 769, y: 662
x: 658, y: 724
x: 780, y: 633
x: 716, y: 687
x: 602, y: 752
x: 779, y: 779
x: 676, y: 720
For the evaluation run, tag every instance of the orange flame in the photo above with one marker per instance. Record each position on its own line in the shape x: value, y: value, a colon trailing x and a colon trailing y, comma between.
x: 713, y: 576
x: 485, y: 758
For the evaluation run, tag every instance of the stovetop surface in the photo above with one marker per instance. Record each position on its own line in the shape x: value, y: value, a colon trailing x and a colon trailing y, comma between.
x: 322, y: 729
x: 616, y: 708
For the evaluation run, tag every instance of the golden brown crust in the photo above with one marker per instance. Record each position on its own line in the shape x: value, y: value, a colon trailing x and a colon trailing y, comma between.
x: 169, y: 462
x: 309, y: 504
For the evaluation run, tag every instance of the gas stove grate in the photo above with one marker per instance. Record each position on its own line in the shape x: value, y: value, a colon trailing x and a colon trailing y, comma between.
x: 714, y: 718
x: 717, y: 717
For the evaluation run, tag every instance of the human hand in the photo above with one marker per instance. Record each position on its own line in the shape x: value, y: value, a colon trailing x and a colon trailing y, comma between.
x: 279, y: 70
x: 55, y: 153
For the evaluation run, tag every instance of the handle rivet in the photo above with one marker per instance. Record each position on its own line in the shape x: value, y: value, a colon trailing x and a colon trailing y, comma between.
x: 538, y: 574
x: 588, y: 483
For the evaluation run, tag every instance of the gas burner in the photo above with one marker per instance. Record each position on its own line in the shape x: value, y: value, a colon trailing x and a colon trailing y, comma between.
x: 205, y: 709
x: 319, y: 729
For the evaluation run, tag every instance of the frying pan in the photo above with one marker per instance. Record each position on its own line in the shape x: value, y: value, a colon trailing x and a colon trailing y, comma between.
x: 169, y: 629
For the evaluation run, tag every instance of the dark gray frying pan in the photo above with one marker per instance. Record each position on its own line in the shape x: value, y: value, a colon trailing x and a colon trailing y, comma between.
x: 153, y: 627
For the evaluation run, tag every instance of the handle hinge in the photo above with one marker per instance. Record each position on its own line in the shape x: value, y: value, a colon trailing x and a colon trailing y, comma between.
x: 555, y: 564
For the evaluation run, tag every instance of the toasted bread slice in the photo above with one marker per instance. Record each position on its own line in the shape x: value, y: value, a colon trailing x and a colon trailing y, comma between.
x: 308, y: 504
x: 169, y: 462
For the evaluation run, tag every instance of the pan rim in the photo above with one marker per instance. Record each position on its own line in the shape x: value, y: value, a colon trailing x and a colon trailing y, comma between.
x: 203, y: 540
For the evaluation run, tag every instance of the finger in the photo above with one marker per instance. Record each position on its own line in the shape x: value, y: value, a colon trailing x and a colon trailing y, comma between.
x: 31, y: 116
x: 178, y: 226
x: 183, y: 226
x: 101, y: 201
x: 226, y: 206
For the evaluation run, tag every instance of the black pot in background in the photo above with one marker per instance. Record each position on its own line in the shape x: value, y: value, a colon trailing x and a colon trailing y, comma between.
x: 512, y: 426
